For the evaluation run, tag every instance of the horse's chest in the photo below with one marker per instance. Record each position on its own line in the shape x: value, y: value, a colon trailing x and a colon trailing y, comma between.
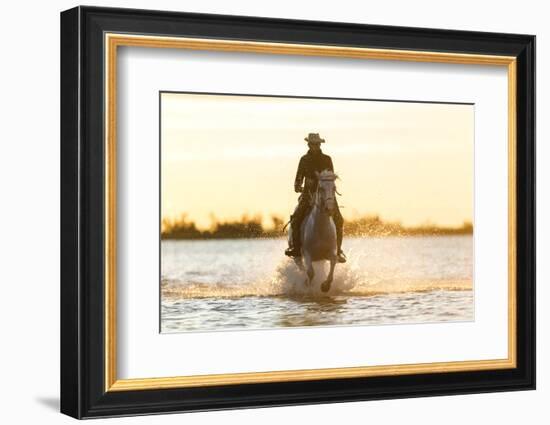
x: 321, y: 235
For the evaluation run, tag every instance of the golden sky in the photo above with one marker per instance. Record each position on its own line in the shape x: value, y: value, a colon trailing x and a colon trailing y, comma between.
x: 233, y: 155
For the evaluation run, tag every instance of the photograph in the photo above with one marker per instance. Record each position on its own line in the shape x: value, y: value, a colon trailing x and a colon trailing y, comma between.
x: 285, y: 211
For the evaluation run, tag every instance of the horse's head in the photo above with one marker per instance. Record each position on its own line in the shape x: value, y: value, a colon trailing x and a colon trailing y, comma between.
x: 326, y: 191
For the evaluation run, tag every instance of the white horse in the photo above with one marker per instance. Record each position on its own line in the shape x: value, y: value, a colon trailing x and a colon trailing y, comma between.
x: 318, y: 232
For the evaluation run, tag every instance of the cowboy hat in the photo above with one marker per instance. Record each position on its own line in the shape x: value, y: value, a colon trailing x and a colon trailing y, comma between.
x: 314, y: 138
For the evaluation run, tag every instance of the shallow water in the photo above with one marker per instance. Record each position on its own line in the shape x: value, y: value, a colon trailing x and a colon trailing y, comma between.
x: 249, y: 284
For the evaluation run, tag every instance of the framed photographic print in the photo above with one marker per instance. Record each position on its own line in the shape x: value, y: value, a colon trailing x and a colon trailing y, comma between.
x: 261, y: 212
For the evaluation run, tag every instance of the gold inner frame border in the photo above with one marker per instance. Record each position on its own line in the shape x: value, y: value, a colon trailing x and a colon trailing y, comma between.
x: 111, y: 43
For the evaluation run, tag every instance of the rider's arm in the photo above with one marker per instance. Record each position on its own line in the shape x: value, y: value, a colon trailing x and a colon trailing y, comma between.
x: 299, y: 176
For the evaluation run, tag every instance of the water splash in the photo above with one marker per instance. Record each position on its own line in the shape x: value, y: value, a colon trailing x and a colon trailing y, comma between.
x: 288, y: 280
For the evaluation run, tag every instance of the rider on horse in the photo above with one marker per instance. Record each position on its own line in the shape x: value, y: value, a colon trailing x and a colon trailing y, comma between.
x: 311, y: 163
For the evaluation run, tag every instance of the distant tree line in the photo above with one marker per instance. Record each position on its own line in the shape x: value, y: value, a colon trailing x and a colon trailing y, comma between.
x: 252, y: 227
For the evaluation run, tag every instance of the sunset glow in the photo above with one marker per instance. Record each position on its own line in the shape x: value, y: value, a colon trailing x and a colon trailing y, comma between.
x: 232, y: 155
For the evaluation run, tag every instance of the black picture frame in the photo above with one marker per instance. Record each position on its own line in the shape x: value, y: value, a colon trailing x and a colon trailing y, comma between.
x: 83, y: 392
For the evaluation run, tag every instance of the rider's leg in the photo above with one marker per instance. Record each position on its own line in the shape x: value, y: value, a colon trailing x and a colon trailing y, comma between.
x: 296, y: 222
x: 292, y: 240
x: 298, y: 217
x: 339, y: 223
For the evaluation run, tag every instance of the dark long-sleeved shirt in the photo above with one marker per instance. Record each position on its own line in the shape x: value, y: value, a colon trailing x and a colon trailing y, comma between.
x: 309, y: 164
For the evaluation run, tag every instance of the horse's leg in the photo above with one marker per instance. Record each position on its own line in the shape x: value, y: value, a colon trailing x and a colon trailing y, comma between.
x: 309, y: 269
x: 325, y: 286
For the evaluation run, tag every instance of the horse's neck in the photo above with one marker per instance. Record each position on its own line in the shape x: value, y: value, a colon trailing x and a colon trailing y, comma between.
x: 320, y: 219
